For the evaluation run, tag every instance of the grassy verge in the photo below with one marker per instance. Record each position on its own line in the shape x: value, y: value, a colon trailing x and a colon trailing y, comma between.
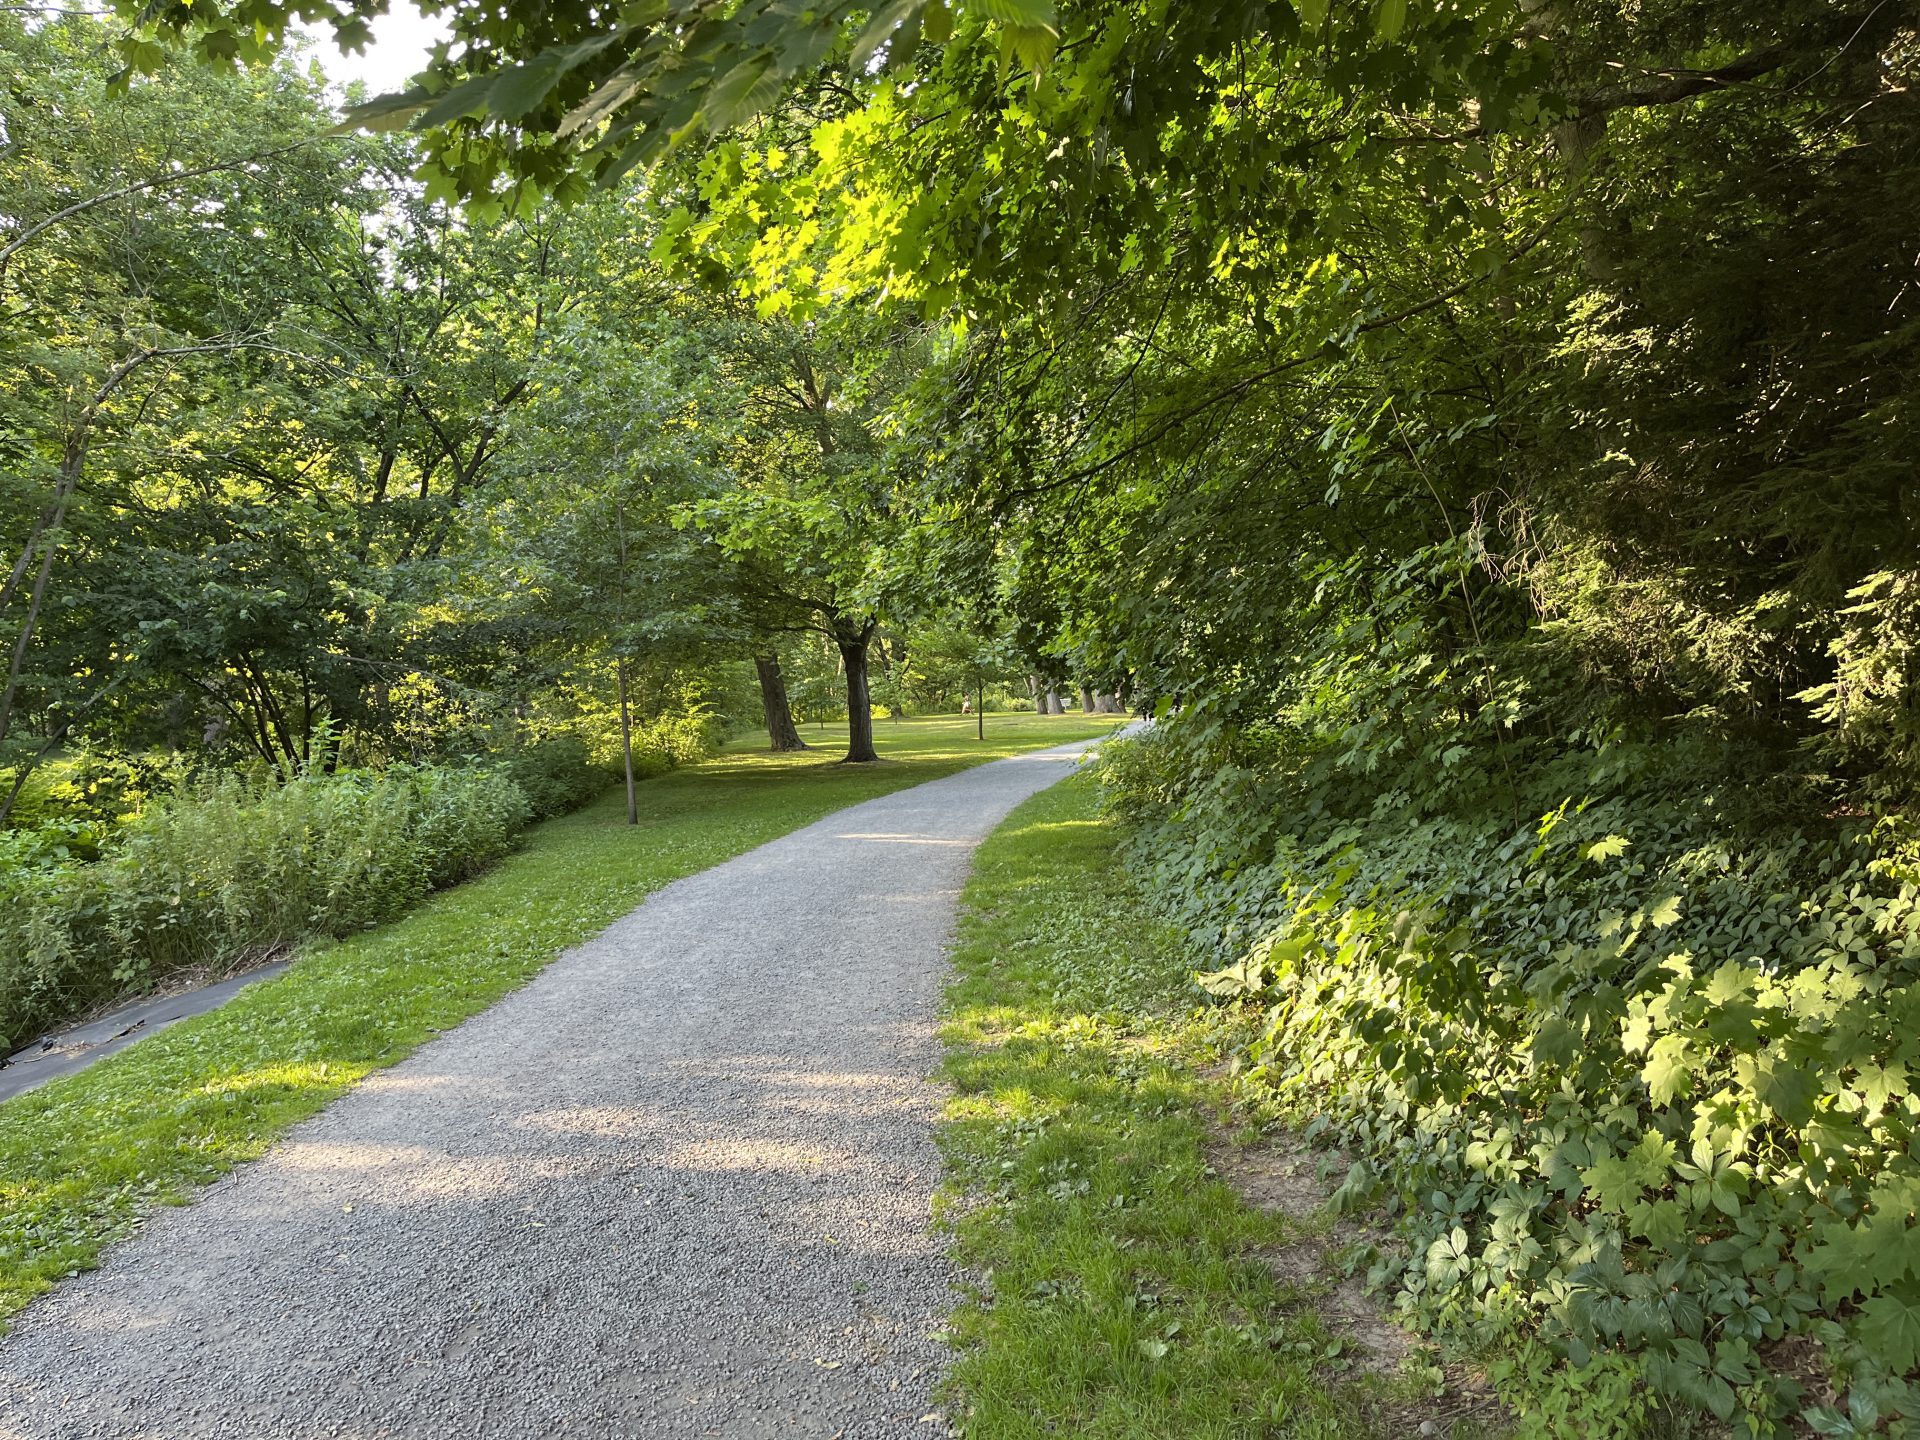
x: 81, y: 1159
x: 1122, y: 1295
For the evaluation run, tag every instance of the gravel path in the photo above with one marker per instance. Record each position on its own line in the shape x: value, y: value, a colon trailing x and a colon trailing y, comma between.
x: 676, y: 1186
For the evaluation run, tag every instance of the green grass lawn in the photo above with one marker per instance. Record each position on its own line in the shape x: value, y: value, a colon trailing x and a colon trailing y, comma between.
x: 81, y: 1159
x: 1122, y: 1293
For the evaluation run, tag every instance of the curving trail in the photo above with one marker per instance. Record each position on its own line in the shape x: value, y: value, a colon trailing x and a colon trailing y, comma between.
x: 676, y: 1186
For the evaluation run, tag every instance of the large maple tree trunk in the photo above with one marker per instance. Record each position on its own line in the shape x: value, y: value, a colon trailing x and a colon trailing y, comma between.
x: 782, y: 734
x: 853, y: 655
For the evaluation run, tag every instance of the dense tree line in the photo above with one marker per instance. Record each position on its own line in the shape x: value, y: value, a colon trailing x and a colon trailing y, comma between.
x: 305, y: 465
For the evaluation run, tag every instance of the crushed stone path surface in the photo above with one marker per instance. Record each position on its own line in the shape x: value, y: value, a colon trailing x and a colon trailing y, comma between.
x: 678, y: 1185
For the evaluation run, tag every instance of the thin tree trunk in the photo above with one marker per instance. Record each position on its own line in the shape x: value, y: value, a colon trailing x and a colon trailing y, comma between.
x: 853, y: 655
x: 626, y: 738
x: 980, y: 709
x: 782, y: 734
x: 24, y: 641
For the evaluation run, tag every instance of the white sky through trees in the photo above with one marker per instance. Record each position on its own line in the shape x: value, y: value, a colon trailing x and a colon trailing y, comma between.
x: 401, y: 39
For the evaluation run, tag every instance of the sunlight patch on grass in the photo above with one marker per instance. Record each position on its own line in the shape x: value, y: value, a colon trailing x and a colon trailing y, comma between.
x: 1117, y: 1286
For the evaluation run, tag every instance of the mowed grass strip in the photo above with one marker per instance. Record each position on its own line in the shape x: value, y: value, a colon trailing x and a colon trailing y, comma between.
x: 1120, y: 1293
x: 83, y: 1158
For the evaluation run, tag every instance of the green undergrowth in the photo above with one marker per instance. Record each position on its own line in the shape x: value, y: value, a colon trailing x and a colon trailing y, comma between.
x: 1625, y: 1045
x: 1119, y: 1289
x: 81, y: 1159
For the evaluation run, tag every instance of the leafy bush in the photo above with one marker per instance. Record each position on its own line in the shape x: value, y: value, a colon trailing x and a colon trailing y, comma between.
x: 682, y: 729
x: 1638, y: 1077
x: 93, y: 788
x: 662, y: 744
x: 557, y: 775
x: 231, y: 869
x: 52, y: 919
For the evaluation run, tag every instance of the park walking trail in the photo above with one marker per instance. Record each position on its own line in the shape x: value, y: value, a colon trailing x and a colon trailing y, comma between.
x: 678, y: 1185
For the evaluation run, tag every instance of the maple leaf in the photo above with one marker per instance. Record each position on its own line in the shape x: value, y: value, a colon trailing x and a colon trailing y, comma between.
x: 1890, y: 1329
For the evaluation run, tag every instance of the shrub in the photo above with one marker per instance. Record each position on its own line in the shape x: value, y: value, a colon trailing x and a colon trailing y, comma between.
x: 52, y: 932
x: 1637, y: 1079
x: 231, y: 869
x: 557, y: 775
x: 672, y: 740
x: 92, y: 788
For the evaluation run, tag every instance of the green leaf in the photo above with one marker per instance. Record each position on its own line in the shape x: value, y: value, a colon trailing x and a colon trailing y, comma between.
x: 1890, y: 1329
x: 1247, y: 976
x: 519, y: 91
x: 885, y: 20
x: 1390, y: 19
x: 386, y: 113
x: 1608, y: 848
x: 1034, y: 45
x: 1556, y: 1042
x: 1880, y: 1084
x: 1618, y: 1181
x: 469, y: 97
x: 1783, y: 1083
x: 616, y: 90
x: 1664, y: 1223
x: 742, y: 92
x: 1669, y: 1069
x: 1846, y: 1261
x: 142, y: 56
x: 1017, y: 12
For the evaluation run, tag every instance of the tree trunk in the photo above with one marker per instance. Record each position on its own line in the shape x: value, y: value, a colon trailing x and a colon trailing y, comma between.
x: 1054, y: 707
x: 782, y: 734
x: 626, y: 738
x: 1086, y: 700
x: 980, y: 709
x: 853, y: 655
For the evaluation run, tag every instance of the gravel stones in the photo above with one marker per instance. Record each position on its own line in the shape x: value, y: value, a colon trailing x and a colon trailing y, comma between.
x: 678, y: 1185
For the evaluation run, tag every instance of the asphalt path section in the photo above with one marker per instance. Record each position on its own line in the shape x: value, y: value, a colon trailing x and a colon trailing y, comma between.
x: 678, y: 1185
x: 70, y: 1051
